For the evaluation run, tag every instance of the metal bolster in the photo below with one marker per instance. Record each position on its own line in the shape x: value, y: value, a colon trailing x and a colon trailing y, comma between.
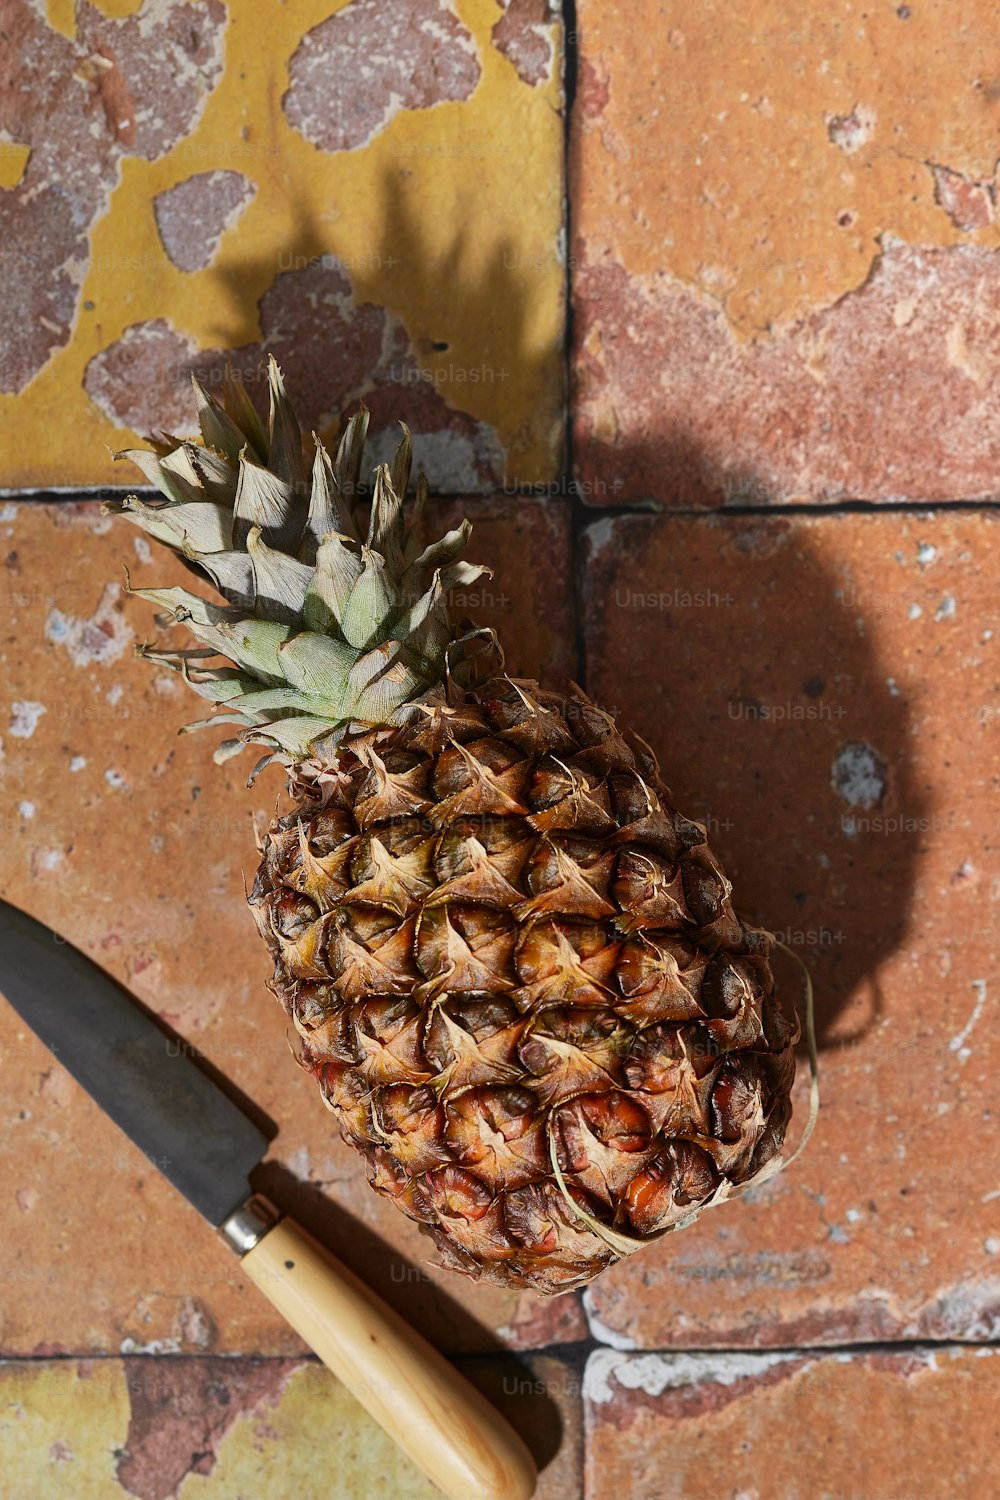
x: 249, y: 1223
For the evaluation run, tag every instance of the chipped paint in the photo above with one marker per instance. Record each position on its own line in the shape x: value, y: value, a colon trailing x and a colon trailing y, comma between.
x: 785, y: 242
x: 601, y: 1330
x: 75, y: 108
x: 527, y: 36
x: 413, y: 59
x: 731, y: 421
x: 98, y: 639
x: 957, y: 1043
x: 456, y: 453
x: 24, y: 718
x: 771, y: 184
x: 453, y: 123
x: 656, y: 1373
x: 192, y: 217
x: 859, y: 775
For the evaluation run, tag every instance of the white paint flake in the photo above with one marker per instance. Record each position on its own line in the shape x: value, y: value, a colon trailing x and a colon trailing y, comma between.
x: 600, y: 1330
x: 96, y: 641
x: 77, y: 763
x: 957, y: 1043
x: 599, y: 535
x: 858, y: 775
x: 656, y: 1373
x: 24, y: 717
x: 155, y: 1346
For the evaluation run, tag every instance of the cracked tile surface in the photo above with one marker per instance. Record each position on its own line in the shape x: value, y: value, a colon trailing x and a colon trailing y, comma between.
x: 784, y: 253
x: 822, y: 695
x: 171, y: 191
x: 776, y: 1427
x: 100, y: 798
x: 179, y: 1429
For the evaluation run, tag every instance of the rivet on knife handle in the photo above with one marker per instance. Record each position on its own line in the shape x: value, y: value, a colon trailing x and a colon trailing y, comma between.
x: 441, y: 1421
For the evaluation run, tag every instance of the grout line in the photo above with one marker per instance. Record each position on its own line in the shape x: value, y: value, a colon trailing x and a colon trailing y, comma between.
x: 567, y: 489
x: 780, y: 508
x: 577, y: 512
x: 570, y: 1352
x: 579, y: 1351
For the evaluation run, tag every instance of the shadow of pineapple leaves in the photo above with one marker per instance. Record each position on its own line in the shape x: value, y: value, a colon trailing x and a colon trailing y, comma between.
x: 336, y: 327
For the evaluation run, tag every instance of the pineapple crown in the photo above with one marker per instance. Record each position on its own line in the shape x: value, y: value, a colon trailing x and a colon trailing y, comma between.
x: 327, y: 624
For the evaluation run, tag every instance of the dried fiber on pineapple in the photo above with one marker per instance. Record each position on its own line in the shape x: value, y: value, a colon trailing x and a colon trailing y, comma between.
x: 627, y: 1244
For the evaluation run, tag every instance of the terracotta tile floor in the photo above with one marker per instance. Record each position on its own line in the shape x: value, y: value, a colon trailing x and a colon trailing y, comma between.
x: 781, y: 258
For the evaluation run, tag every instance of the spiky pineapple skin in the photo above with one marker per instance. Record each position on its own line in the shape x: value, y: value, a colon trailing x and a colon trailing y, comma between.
x: 499, y: 941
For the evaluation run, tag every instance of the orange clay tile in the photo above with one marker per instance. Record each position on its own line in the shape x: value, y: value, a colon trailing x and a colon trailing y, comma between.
x: 134, y: 845
x: 823, y: 694
x: 784, y: 234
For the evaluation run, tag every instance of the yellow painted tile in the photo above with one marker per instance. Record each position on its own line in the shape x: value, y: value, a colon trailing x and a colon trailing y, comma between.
x: 314, y: 1442
x: 60, y: 1424
x: 449, y: 218
x: 13, y: 160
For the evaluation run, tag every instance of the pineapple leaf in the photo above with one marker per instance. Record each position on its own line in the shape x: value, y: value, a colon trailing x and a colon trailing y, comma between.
x: 217, y: 427
x: 373, y: 600
x: 435, y: 556
x: 238, y: 405
x: 317, y: 665
x: 265, y: 701
x: 402, y: 462
x: 233, y: 575
x: 178, y: 487
x: 189, y: 527
x: 385, y: 533
x: 284, y: 435
x: 184, y: 606
x: 265, y: 500
x: 294, y: 735
x: 252, y: 644
x: 326, y: 512
x: 347, y: 466
x: 395, y: 683
x: 338, y: 568
x: 280, y: 583
x: 215, y: 474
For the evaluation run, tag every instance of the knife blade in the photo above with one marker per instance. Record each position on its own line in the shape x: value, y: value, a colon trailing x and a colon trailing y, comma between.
x: 205, y: 1144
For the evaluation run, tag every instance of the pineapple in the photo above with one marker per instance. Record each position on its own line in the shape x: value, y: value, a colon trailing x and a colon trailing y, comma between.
x: 513, y: 966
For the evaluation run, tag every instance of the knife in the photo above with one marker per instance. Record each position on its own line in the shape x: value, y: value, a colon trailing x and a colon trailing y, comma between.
x: 206, y: 1146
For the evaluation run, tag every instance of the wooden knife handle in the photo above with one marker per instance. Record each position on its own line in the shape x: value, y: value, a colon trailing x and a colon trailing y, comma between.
x: 443, y: 1423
